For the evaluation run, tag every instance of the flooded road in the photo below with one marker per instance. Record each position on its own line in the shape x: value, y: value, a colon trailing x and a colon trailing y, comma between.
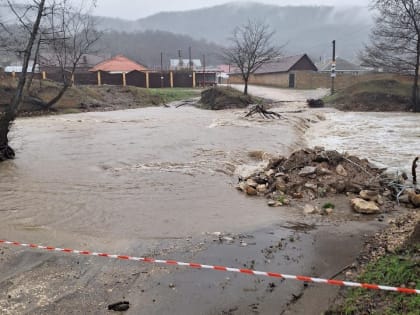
x: 147, y: 173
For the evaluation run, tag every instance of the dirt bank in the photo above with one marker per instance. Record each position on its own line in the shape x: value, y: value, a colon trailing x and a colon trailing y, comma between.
x: 376, y: 95
x: 84, y: 98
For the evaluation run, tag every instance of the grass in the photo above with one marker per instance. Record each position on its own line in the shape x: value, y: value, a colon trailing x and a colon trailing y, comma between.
x: 372, y: 95
x: 175, y: 94
x: 393, y: 270
x: 328, y: 205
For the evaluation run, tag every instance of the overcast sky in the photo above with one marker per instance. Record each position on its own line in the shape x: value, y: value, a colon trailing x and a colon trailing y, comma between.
x: 134, y: 9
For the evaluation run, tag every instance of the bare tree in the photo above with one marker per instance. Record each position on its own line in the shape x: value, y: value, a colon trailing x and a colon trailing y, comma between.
x: 250, y: 49
x: 395, y: 41
x: 72, y: 35
x: 9, y: 115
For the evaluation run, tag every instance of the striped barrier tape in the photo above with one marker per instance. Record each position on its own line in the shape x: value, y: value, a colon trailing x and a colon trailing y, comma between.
x: 220, y: 268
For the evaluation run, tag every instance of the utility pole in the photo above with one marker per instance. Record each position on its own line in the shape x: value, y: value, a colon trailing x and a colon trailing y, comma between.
x: 189, y: 59
x: 333, y: 67
x: 204, y: 71
x: 161, y: 69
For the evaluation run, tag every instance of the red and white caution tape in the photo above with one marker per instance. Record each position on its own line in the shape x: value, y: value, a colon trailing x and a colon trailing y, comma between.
x: 220, y: 268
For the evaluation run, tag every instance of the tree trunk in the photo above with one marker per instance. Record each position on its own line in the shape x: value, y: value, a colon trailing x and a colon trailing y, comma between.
x: 415, y: 95
x: 10, y: 113
x: 246, y: 86
x: 6, y: 152
x: 59, y: 95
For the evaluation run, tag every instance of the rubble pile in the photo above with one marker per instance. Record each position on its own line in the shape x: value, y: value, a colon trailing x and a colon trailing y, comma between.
x: 309, y: 174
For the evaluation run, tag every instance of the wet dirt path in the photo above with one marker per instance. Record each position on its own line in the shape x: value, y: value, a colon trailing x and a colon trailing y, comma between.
x: 158, y: 182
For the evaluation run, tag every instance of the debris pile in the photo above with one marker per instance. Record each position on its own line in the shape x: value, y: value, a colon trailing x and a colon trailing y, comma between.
x: 309, y: 174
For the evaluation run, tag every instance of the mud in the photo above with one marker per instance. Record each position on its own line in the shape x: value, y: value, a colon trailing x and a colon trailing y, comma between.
x: 159, y: 182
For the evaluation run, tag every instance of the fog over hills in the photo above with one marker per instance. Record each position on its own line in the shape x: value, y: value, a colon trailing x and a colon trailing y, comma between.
x: 307, y: 29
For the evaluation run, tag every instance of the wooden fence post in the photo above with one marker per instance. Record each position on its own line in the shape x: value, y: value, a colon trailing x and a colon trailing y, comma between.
x: 13, y: 74
x: 99, y: 78
x: 44, y: 75
x: 124, y: 79
x: 193, y: 77
x: 147, y: 80
x: 171, y: 74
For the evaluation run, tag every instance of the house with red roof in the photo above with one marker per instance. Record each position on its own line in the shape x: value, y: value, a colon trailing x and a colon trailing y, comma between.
x: 118, y: 64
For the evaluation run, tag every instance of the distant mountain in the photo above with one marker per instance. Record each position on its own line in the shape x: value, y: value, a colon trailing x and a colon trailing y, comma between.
x: 307, y: 29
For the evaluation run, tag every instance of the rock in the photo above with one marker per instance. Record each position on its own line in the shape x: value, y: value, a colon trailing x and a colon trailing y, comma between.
x: 251, y: 182
x: 321, y: 171
x: 241, y: 186
x: 273, y: 203
x: 279, y: 174
x: 262, y: 189
x: 171, y: 285
x: 369, y: 195
x: 340, y: 170
x: 314, y: 187
x: 309, y: 209
x: 366, y: 207
x: 281, y: 185
x: 251, y: 191
x: 307, y: 170
x: 339, y: 186
x: 404, y: 199
x: 270, y: 172
x: 119, y: 306
x: 414, y: 198
x: 328, y: 211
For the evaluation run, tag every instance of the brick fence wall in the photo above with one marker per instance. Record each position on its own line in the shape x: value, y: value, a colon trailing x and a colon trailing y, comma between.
x: 314, y: 80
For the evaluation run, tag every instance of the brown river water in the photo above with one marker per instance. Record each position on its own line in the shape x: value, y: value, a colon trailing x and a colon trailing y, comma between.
x: 137, y: 174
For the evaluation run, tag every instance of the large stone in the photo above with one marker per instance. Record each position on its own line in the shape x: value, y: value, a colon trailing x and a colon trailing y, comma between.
x: 414, y: 198
x: 241, y: 186
x: 314, y: 187
x: 321, y: 171
x: 281, y: 185
x: 251, y: 182
x: 262, y: 189
x: 310, y: 209
x: 251, y: 191
x: 341, y: 170
x: 366, y: 207
x: 369, y: 195
x: 307, y: 170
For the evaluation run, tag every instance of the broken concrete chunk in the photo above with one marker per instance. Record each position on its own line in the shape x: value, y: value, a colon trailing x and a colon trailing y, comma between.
x: 369, y: 195
x: 251, y: 191
x: 262, y: 189
x: 366, y: 207
x: 309, y: 209
x: 307, y: 170
x: 251, y: 182
x: 341, y: 170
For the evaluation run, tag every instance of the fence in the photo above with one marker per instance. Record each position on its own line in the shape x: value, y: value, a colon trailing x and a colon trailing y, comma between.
x: 169, y: 79
x: 313, y: 80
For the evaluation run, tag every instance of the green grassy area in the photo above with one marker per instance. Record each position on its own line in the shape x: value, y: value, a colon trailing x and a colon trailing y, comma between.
x: 175, y: 94
x: 400, y: 269
x: 375, y: 95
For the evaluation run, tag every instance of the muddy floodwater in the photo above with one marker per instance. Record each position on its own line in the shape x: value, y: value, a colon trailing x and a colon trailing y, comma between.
x: 390, y: 140
x: 148, y: 173
x: 160, y: 182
